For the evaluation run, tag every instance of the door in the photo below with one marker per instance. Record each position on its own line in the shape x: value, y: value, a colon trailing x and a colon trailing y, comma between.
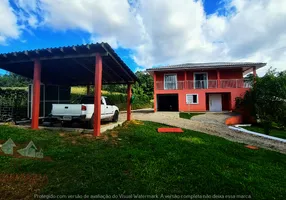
x: 167, y: 102
x: 108, y: 106
x: 170, y: 81
x: 201, y: 80
x: 215, y: 102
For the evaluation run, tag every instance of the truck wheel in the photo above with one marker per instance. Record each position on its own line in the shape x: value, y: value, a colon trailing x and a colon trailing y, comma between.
x: 115, y: 116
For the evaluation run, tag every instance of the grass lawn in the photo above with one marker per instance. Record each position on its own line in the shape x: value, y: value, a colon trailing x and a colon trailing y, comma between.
x: 273, y: 132
x: 186, y: 115
x: 15, y: 88
x: 135, y: 159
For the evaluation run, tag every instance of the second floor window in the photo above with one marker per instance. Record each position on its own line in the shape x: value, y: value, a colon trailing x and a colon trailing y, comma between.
x: 170, y: 81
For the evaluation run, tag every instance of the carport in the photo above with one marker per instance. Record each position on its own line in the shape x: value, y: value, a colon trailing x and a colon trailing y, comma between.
x: 83, y: 65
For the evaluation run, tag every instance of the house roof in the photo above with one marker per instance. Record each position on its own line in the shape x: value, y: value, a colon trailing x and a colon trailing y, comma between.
x: 71, y: 65
x: 247, y: 66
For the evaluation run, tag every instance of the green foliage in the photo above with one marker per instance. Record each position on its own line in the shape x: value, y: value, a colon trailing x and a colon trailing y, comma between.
x: 143, y: 87
x: 145, y: 84
x: 146, y: 162
x: 14, y: 80
x: 119, y: 88
x: 13, y: 97
x: 120, y: 100
x: 141, y: 90
x: 267, y: 99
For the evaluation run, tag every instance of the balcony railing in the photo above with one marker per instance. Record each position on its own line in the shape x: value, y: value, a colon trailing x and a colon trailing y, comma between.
x: 202, y: 84
x: 161, y: 85
x: 234, y: 83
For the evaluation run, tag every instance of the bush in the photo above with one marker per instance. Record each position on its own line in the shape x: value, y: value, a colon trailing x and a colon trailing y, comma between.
x: 11, y: 97
x: 266, y: 100
x: 120, y: 100
x: 13, y: 103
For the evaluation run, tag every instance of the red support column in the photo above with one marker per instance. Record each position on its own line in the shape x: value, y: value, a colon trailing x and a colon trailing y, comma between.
x: 129, y: 102
x: 218, y: 78
x: 155, y: 95
x: 254, y: 71
x: 88, y: 90
x: 36, y: 95
x: 254, y: 74
x: 97, y: 95
x: 185, y: 80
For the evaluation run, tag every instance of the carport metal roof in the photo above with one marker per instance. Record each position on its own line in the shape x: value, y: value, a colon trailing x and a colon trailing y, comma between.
x: 72, y: 65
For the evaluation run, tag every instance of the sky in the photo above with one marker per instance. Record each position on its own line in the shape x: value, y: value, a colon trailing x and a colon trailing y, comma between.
x: 148, y: 33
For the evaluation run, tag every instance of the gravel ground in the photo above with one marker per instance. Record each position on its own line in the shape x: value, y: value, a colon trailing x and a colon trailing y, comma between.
x: 210, y: 123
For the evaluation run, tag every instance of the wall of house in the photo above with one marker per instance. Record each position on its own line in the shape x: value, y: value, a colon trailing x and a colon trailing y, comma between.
x: 231, y: 74
x: 202, y: 97
x: 201, y: 106
x: 225, y: 100
x: 160, y: 75
x: 212, y: 74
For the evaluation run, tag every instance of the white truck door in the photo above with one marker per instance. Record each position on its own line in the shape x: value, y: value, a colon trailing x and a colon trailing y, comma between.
x: 90, y: 108
x: 88, y: 101
x: 108, y: 107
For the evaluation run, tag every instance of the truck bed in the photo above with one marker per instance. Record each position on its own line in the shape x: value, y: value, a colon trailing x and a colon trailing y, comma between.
x: 66, y: 110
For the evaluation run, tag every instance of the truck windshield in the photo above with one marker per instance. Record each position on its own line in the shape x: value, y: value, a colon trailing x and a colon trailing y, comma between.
x: 108, y: 102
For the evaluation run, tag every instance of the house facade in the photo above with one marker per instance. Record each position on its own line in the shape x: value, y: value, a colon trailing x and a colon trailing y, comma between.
x: 200, y: 86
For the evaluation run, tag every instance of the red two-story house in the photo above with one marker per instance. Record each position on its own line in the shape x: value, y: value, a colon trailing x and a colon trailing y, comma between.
x: 200, y: 86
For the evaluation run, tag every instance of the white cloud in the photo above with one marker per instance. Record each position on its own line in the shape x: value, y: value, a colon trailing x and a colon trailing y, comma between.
x: 27, y: 5
x: 257, y: 31
x: 106, y: 19
x: 112, y: 41
x: 168, y: 32
x: 173, y: 32
x: 29, y: 13
x: 33, y: 21
x: 8, y: 23
x: 179, y: 31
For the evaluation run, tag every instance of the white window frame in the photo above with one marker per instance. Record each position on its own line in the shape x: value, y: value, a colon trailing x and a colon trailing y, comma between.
x: 207, y: 75
x: 192, y: 99
x: 173, y: 74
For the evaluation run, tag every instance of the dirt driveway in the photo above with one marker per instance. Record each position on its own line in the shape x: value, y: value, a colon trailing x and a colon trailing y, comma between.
x: 211, y: 123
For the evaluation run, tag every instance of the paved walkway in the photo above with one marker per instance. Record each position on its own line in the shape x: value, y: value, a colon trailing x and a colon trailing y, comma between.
x: 210, y: 123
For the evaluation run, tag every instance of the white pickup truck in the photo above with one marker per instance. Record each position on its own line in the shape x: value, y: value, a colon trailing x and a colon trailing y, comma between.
x: 84, y: 111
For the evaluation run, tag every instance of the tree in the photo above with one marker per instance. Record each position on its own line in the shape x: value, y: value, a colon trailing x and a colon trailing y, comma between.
x: 14, y: 80
x: 267, y: 99
x: 144, y: 85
